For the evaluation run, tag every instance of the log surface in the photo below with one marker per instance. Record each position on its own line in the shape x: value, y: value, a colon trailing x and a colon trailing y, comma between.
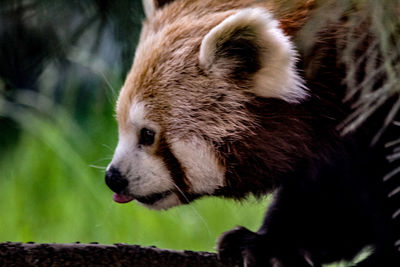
x: 77, y: 254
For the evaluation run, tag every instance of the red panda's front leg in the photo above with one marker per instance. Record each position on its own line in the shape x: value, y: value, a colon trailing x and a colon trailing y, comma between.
x: 277, y: 243
x: 256, y: 249
x: 242, y: 246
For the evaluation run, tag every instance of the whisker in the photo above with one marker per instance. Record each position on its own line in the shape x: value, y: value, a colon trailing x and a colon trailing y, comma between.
x: 195, y: 211
x: 97, y: 167
x: 181, y: 192
x: 105, y: 158
x: 108, y: 147
x: 113, y: 91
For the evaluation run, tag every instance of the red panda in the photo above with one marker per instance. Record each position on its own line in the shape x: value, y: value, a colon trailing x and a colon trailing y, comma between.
x: 220, y: 102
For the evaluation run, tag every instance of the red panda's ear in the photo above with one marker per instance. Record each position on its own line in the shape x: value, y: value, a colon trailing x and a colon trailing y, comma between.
x: 250, y: 45
x: 150, y: 6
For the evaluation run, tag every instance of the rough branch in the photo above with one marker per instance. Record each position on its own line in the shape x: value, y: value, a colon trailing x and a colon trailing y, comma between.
x: 31, y: 254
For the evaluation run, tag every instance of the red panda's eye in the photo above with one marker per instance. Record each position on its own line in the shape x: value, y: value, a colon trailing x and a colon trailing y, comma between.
x: 146, y: 137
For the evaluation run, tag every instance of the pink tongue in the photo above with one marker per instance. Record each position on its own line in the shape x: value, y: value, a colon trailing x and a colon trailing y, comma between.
x: 121, y: 198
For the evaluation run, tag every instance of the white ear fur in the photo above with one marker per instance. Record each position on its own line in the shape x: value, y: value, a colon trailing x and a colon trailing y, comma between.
x: 277, y: 76
x: 149, y: 8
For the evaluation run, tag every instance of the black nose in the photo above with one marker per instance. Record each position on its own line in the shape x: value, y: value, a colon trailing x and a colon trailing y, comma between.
x: 115, y: 181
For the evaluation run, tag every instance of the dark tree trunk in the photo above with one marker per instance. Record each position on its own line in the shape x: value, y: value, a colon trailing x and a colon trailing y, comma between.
x: 31, y: 254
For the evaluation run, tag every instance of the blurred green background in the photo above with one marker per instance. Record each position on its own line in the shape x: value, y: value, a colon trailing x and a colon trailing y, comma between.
x: 62, y: 64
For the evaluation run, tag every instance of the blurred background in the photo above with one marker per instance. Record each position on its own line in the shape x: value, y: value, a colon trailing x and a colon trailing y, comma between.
x: 62, y: 64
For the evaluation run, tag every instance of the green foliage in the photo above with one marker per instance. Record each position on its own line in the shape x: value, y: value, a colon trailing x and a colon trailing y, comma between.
x: 374, y: 33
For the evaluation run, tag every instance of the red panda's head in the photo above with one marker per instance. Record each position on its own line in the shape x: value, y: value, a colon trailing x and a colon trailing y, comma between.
x: 197, y: 66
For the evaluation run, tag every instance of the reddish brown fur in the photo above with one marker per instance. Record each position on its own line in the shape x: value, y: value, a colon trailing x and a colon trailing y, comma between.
x: 191, y: 21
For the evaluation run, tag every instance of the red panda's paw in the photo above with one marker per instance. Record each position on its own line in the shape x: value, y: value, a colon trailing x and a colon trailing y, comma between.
x: 248, y: 249
x: 240, y: 246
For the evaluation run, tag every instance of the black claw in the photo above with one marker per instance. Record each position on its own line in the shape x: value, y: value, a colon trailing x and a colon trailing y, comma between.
x: 235, y: 246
